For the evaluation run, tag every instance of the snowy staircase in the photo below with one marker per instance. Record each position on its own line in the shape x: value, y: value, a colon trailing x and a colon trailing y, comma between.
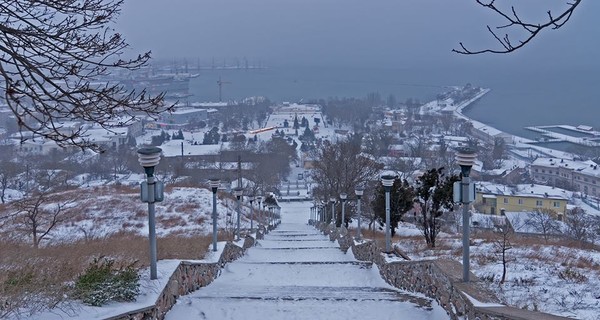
x: 297, y: 273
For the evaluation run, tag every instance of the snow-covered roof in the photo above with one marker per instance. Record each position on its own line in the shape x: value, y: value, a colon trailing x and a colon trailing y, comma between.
x: 588, y: 167
x: 524, y: 190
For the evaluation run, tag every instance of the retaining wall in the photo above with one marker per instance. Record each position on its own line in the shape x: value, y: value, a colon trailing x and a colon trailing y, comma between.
x: 440, y: 280
x: 188, y: 277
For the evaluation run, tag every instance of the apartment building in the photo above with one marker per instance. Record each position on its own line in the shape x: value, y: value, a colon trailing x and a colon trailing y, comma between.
x: 582, y: 176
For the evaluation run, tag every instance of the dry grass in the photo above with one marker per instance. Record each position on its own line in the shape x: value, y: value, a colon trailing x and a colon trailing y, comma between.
x: 188, y: 207
x: 38, y: 278
x: 171, y: 221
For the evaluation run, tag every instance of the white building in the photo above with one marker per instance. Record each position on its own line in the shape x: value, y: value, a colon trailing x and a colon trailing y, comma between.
x: 582, y: 176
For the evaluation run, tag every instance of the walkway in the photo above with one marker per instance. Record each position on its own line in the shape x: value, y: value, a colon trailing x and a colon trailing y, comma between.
x: 297, y: 273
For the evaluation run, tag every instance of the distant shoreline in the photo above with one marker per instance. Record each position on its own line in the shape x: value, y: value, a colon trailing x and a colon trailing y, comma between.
x: 517, y: 141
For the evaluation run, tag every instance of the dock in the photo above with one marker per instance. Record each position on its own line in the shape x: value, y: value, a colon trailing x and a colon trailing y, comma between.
x: 581, y: 135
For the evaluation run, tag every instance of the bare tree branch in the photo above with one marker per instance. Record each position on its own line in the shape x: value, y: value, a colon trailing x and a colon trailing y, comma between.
x: 514, y: 22
x: 54, y: 56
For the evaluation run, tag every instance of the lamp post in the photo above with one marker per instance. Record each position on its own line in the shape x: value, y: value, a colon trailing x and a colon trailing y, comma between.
x: 332, y: 200
x: 343, y: 197
x: 271, y: 216
x: 238, y: 194
x: 387, y: 181
x: 267, y: 214
x: 322, y: 211
x: 259, y: 200
x: 318, y: 212
x: 465, y: 157
x: 359, y: 192
x: 214, y: 186
x: 149, y: 157
x: 251, y: 200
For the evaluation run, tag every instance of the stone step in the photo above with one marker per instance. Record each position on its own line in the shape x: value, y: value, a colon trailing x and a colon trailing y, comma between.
x: 295, y: 293
x: 362, y: 264
x: 294, y: 248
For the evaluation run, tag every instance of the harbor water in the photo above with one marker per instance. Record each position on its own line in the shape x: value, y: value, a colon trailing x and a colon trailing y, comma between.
x: 519, y: 98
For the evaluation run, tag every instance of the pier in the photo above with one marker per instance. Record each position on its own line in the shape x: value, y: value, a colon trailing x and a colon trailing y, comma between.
x: 576, y: 135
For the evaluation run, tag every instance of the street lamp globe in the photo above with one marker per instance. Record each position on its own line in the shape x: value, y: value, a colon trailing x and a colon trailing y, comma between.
x: 214, y: 184
x: 465, y: 157
x: 237, y: 192
x: 387, y: 180
x: 149, y: 157
x: 359, y: 191
x: 343, y: 196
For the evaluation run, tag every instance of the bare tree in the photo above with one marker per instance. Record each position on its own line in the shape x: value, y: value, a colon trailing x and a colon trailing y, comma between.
x: 579, y: 225
x: 9, y: 171
x: 542, y: 221
x: 404, y: 167
x: 36, y: 217
x: 514, y: 23
x: 340, y: 167
x: 53, y: 55
x: 502, y: 244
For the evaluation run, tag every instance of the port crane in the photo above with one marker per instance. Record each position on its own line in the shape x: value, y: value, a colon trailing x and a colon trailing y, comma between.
x: 220, y: 83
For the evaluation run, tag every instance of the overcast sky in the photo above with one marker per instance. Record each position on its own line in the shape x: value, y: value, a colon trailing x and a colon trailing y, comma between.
x: 396, y: 33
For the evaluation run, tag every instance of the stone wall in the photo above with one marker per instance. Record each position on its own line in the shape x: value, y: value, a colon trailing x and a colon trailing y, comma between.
x: 188, y: 277
x: 440, y: 280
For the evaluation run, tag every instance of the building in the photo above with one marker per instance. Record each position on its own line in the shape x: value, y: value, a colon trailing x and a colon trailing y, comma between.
x: 497, y: 199
x: 108, y: 139
x: 182, y: 117
x: 582, y: 176
x: 488, y: 134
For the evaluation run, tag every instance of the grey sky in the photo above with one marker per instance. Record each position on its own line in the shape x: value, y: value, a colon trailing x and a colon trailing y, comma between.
x: 399, y: 33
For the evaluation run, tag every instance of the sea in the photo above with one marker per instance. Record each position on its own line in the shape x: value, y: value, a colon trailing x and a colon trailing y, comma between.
x: 520, y: 97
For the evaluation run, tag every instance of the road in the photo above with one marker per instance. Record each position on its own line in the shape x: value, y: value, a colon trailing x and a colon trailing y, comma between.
x: 297, y: 273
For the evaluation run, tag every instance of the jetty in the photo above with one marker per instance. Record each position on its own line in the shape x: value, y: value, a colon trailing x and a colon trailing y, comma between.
x: 580, y: 135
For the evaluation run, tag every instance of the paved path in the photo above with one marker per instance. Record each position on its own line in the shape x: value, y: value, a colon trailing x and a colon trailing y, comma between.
x: 297, y: 273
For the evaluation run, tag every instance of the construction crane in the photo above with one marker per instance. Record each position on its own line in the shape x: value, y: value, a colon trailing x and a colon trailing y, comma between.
x: 220, y: 83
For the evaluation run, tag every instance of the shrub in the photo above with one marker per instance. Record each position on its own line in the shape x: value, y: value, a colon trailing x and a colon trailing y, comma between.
x: 102, y: 282
x: 572, y: 275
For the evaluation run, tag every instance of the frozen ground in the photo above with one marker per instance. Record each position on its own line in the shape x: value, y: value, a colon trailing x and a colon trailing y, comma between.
x: 552, y: 278
x: 297, y: 273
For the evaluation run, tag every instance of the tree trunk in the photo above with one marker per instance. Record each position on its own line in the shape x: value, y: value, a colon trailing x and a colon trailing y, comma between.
x: 503, y: 266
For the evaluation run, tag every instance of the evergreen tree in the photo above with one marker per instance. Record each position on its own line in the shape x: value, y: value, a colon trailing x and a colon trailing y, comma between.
x: 434, y: 193
x: 296, y: 123
x: 401, y: 201
x: 308, y: 135
x: 304, y: 122
x: 211, y: 137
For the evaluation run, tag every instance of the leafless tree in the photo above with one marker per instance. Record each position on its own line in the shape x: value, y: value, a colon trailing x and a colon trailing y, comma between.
x: 9, y: 172
x: 542, y: 221
x: 502, y: 244
x: 579, y: 225
x: 37, y: 217
x: 404, y: 167
x: 53, y: 55
x: 341, y: 167
x: 514, y: 23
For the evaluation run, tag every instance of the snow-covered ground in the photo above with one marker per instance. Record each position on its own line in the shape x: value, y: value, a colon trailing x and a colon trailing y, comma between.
x: 102, y: 211
x: 297, y: 273
x: 551, y: 278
